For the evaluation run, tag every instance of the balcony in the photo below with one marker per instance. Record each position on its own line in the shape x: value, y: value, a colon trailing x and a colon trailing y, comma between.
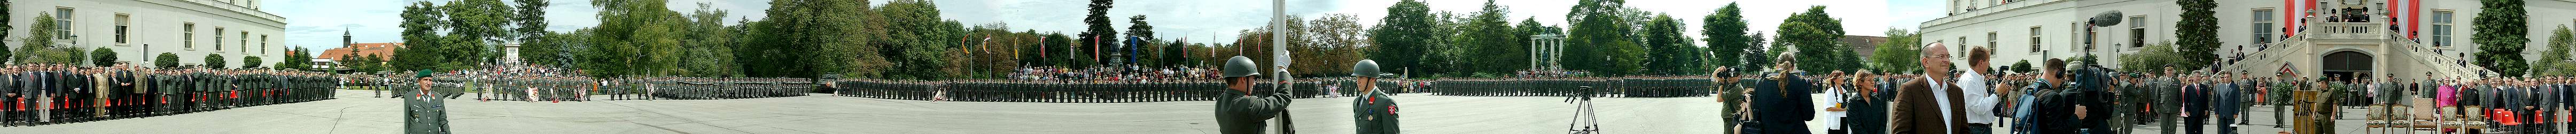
x: 2346, y: 33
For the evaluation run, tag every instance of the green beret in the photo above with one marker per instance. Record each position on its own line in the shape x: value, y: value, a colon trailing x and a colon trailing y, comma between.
x: 423, y: 73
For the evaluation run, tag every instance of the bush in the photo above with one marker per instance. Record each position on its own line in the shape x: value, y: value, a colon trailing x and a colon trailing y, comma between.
x: 103, y: 57
x: 249, y: 62
x: 214, y: 61
x: 166, y: 60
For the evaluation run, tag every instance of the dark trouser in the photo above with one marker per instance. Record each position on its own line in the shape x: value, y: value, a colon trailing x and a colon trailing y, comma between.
x: 2191, y: 125
x: 1837, y: 131
x: 1981, y: 128
x: 2168, y: 120
x: 2223, y: 128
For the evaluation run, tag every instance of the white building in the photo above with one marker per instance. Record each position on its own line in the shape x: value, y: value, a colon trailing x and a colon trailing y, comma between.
x: 2431, y: 36
x: 140, y: 29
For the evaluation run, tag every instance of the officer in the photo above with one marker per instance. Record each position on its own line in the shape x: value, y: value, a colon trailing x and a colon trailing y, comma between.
x: 426, y: 113
x: 1242, y: 111
x: 2168, y: 93
x: 1373, y: 112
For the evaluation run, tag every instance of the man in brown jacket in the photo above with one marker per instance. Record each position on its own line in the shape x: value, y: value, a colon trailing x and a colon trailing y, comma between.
x: 1929, y: 104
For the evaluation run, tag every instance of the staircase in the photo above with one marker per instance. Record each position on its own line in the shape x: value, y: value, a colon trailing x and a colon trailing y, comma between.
x: 2303, y: 53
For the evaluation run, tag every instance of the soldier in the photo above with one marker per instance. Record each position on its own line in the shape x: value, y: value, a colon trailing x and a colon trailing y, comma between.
x: 2166, y: 88
x: 1372, y: 111
x: 1243, y: 111
x: 426, y: 113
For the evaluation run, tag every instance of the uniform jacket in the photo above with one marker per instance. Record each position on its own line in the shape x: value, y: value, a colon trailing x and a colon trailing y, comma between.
x: 1374, y: 113
x: 1240, y: 114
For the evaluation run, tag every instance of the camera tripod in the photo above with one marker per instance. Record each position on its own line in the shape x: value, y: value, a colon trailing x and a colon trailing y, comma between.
x: 1584, y: 121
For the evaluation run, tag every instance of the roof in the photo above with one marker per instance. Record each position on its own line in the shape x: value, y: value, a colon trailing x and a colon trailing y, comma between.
x: 1863, y: 46
x: 360, y: 50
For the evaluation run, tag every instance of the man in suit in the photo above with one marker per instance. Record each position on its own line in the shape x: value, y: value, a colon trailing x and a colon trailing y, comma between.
x: 1928, y: 105
x: 2195, y: 97
x: 2226, y: 103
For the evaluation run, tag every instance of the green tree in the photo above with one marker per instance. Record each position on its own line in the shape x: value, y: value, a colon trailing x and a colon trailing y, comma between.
x: 2197, y: 33
x: 214, y: 61
x: 635, y: 37
x: 103, y: 57
x: 2500, y: 36
x: 1098, y: 35
x: 1726, y: 39
x: 1498, y: 48
x: 1899, y: 53
x: 531, y: 19
x: 2153, y: 58
x: 809, y: 38
x: 421, y: 21
x: 478, y: 25
x: 299, y: 58
x: 5, y: 15
x: 166, y: 60
x: 66, y: 56
x: 1815, y: 35
x: 706, y: 51
x: 1759, y: 53
x: 2557, y: 56
x: 1669, y: 52
x: 39, y: 37
x: 921, y: 42
x: 1402, y: 38
x: 1601, y: 42
x: 372, y: 63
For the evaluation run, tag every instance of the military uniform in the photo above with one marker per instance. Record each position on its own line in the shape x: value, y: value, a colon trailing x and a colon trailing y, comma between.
x: 1372, y: 112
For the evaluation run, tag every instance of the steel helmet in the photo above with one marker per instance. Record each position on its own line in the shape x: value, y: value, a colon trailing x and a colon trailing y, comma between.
x: 1240, y: 66
x: 1365, y: 68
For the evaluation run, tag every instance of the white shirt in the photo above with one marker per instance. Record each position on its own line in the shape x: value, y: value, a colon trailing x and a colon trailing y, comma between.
x: 1980, y: 103
x: 1938, y: 92
x: 1832, y: 119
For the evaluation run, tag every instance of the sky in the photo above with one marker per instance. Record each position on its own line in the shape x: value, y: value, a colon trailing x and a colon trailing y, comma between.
x: 1910, y: 14
x: 317, y: 24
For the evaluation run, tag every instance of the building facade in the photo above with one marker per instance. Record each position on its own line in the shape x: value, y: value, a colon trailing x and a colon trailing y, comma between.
x: 141, y: 29
x: 2413, y: 38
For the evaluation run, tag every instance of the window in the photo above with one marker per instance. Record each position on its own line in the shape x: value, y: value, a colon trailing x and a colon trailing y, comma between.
x: 188, y: 35
x: 2137, y: 31
x: 63, y: 23
x: 244, y: 42
x: 2441, y: 28
x: 121, y: 21
x: 2034, y: 39
x: 263, y: 44
x: 2091, y: 36
x: 1990, y: 41
x: 1962, y: 46
x: 2076, y: 29
x: 219, y: 39
x: 2263, y: 26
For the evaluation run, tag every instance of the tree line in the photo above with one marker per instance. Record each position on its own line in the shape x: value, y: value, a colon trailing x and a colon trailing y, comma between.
x: 906, y: 39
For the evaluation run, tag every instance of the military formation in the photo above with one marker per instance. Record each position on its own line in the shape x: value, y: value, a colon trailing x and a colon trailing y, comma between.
x: 480, y: 87
x: 55, y: 94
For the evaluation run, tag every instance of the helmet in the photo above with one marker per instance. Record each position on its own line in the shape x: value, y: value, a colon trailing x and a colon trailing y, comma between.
x: 1365, y: 68
x: 1240, y: 67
